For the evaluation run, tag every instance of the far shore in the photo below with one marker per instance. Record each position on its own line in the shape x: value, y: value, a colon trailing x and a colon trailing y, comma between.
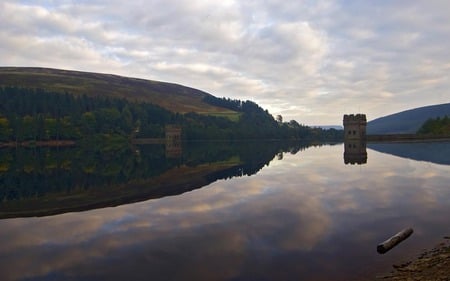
x: 50, y: 143
x: 370, y: 138
x: 58, y: 143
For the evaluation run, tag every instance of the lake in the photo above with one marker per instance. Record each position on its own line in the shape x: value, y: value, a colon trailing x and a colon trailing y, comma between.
x: 219, y: 211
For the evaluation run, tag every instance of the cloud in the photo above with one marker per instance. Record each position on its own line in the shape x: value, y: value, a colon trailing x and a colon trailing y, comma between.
x: 308, y: 60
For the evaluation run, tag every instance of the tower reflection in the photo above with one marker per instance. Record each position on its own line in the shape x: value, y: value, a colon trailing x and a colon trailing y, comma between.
x: 355, y: 152
x: 355, y: 139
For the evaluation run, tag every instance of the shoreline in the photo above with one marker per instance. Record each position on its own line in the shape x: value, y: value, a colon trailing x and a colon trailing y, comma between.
x: 431, y: 264
x: 52, y: 143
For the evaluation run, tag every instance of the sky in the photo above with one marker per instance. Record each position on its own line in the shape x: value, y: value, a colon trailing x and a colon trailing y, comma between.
x: 310, y: 61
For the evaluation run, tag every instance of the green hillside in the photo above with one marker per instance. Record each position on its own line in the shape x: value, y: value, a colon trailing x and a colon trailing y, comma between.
x: 47, y: 105
x: 173, y: 97
x: 407, y: 122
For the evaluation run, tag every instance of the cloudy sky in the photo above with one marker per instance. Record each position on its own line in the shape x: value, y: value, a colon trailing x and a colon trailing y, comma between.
x: 311, y: 61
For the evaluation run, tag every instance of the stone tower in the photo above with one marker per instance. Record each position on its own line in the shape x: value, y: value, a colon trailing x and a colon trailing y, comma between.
x: 355, y: 139
x: 355, y: 127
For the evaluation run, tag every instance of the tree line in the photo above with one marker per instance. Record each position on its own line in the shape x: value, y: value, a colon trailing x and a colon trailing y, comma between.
x: 255, y: 122
x: 436, y: 126
x: 36, y: 114
x: 41, y: 115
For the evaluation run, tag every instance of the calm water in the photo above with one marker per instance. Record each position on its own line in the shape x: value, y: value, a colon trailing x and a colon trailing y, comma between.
x: 235, y: 212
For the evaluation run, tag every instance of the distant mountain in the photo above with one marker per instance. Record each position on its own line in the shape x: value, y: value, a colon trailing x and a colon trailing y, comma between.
x: 173, y: 97
x: 406, y: 122
x: 327, y: 127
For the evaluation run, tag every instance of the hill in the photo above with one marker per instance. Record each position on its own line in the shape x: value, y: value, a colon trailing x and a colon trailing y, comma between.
x: 46, y: 105
x: 327, y: 127
x: 406, y: 122
x: 173, y: 97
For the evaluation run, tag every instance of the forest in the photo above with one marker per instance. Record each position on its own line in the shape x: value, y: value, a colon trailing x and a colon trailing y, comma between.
x: 40, y: 115
x: 436, y: 126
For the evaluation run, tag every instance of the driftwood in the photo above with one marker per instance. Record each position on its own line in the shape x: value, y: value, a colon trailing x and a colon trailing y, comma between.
x: 394, y: 240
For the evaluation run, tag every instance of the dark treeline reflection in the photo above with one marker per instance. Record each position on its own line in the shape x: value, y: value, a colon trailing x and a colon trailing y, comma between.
x: 252, y: 156
x: 45, y: 181
x: 35, y: 172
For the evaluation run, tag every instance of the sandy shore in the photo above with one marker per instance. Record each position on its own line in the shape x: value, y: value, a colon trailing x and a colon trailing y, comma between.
x: 430, y: 265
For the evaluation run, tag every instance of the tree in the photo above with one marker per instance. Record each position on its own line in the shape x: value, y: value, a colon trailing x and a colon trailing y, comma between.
x: 127, y: 120
x: 438, y: 126
x: 5, y: 129
x: 51, y: 128
x: 279, y: 119
x: 29, y: 128
x: 40, y: 128
x: 88, y: 123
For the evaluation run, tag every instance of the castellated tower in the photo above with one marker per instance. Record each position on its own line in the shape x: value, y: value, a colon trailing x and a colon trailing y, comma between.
x: 355, y: 139
x: 355, y: 126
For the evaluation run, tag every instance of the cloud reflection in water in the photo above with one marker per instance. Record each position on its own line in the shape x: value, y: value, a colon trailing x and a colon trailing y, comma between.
x: 303, y: 217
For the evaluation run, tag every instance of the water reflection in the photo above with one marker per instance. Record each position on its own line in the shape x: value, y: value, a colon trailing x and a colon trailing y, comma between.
x: 47, y: 181
x: 306, y: 217
x: 355, y: 151
x: 434, y: 152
